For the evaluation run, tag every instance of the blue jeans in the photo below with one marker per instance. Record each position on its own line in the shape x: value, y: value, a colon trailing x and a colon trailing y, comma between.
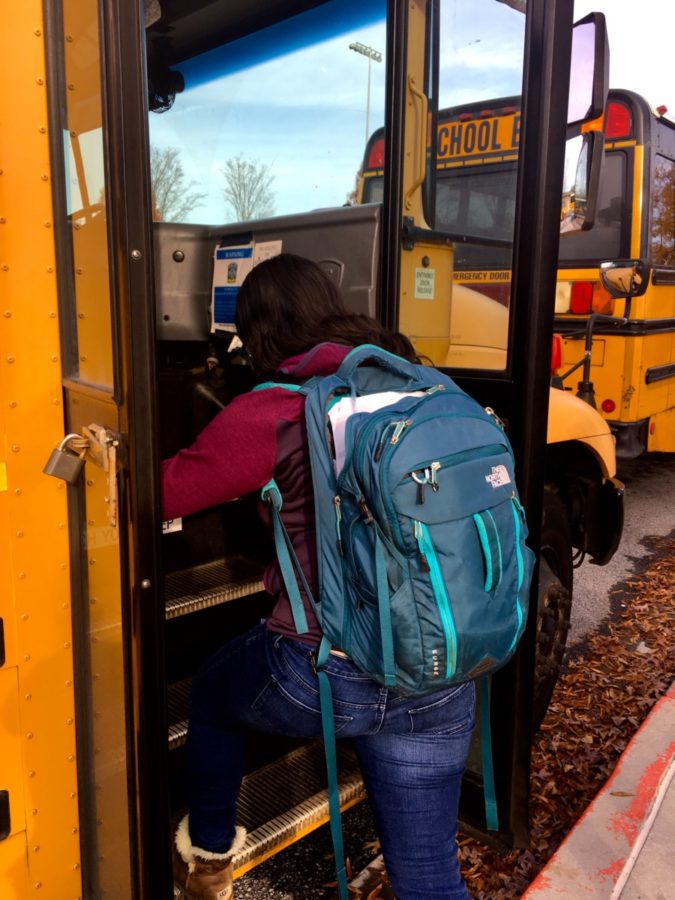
x: 411, y: 752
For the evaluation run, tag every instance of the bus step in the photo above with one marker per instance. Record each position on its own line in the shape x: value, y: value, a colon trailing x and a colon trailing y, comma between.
x: 177, y: 703
x: 211, y: 584
x: 285, y: 800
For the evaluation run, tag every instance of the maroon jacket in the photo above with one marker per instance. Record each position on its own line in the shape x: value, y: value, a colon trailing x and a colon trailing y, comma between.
x: 259, y: 436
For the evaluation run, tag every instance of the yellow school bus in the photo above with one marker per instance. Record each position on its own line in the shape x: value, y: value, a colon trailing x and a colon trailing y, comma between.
x: 124, y: 129
x: 629, y: 364
x: 626, y: 337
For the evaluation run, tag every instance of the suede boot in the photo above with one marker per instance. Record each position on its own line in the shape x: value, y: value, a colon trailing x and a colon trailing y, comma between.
x: 199, y: 874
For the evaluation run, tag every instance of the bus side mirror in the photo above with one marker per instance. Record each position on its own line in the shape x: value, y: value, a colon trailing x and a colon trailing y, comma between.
x: 625, y: 277
x: 589, y: 84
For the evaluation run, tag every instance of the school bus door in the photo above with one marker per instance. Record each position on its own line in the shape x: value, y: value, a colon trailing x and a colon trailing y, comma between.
x: 420, y: 302
x: 102, y: 221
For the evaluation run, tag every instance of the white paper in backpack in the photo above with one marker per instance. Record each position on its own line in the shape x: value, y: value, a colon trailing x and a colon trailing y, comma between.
x: 347, y: 406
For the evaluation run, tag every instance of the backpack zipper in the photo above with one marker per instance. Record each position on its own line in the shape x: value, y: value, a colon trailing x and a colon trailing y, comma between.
x: 431, y: 564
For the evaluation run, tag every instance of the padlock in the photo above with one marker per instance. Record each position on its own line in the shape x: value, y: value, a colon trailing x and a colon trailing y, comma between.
x: 65, y: 465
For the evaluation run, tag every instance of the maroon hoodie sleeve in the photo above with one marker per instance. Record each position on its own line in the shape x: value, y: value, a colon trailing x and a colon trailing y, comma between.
x: 234, y: 455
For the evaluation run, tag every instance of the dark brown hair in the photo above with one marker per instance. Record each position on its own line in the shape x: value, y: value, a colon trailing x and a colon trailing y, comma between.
x: 288, y: 304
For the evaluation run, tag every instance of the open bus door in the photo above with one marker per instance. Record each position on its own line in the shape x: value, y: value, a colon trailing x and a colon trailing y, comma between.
x: 517, y: 385
x: 134, y: 305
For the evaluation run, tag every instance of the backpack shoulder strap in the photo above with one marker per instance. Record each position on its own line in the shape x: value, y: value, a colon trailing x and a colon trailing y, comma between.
x: 290, y: 566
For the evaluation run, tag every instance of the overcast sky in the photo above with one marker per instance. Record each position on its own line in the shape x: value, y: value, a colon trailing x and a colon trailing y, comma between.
x: 641, y: 46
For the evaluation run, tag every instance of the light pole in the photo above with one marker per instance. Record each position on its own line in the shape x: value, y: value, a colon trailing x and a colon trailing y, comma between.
x: 371, y: 55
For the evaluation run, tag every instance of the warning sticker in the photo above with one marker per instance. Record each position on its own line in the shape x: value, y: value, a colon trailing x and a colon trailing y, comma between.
x: 425, y: 284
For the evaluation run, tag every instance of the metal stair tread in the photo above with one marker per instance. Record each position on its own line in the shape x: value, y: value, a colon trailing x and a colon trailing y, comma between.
x: 211, y: 584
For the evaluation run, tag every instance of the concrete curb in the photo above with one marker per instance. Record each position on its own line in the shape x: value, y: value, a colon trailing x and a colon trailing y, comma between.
x: 617, y: 848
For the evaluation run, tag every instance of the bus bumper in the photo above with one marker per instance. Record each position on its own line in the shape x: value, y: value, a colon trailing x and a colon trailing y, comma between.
x: 631, y: 438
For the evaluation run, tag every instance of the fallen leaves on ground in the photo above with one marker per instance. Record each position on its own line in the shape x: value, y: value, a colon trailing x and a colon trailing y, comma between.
x: 611, y: 682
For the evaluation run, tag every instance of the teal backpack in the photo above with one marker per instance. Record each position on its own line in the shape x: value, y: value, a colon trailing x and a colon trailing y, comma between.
x: 424, y: 574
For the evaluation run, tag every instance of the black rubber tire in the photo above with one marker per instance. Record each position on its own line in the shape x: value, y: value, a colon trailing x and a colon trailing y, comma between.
x: 556, y: 574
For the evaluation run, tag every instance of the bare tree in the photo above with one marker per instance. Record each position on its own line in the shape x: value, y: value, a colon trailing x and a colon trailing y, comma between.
x: 248, y: 188
x: 173, y: 197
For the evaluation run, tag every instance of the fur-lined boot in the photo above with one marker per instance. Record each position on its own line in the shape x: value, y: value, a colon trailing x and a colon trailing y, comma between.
x: 199, y: 874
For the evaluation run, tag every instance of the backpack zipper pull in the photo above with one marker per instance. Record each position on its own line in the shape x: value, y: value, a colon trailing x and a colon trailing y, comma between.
x: 383, y: 440
x: 365, y: 511
x: 398, y: 431
x: 435, y: 466
x: 419, y: 537
x: 421, y: 481
x: 493, y: 415
x: 338, y: 519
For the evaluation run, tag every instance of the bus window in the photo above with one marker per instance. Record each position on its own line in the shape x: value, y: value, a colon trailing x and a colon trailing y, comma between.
x: 475, y: 203
x: 606, y: 239
x: 662, y: 235
x: 480, y: 204
x: 272, y: 123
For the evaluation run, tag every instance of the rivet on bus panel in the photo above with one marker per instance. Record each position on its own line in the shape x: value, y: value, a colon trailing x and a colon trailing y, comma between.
x: 7, y: 314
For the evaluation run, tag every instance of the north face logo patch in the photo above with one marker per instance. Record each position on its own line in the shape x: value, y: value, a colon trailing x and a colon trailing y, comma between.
x: 498, y: 477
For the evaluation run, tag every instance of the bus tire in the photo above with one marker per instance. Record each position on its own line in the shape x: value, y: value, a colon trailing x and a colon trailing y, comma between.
x: 554, y: 603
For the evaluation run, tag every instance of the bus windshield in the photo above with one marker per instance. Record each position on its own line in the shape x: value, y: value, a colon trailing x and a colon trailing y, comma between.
x: 274, y: 122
